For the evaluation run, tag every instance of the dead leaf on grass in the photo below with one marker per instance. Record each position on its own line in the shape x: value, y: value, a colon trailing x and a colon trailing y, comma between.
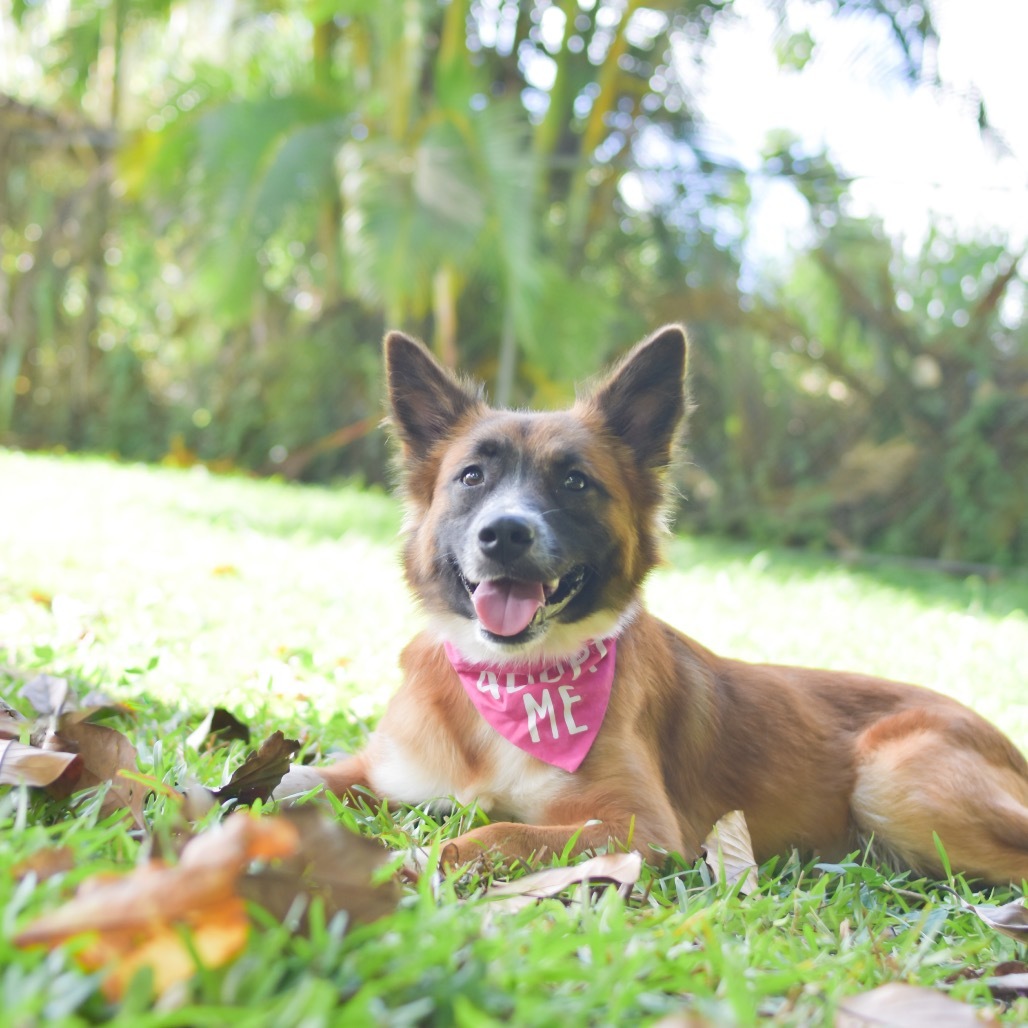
x: 11, y: 721
x: 67, y: 753
x: 45, y: 863
x: 1008, y: 987
x: 620, y: 869
x: 133, y: 920
x: 686, y: 1019
x: 219, y: 725
x: 28, y: 765
x: 159, y: 916
x: 728, y: 851
x: 1010, y: 919
x: 52, y: 697
x: 258, y: 775
x: 105, y: 753
x: 331, y: 864
x: 49, y: 694
x: 904, y: 1006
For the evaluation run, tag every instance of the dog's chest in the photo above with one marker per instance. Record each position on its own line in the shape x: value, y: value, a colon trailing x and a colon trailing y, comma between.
x: 503, y: 780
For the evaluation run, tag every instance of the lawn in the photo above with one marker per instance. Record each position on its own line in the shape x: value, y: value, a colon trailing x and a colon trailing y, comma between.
x: 177, y: 591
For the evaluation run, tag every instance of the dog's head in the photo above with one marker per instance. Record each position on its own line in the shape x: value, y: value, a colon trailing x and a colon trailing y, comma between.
x: 529, y: 533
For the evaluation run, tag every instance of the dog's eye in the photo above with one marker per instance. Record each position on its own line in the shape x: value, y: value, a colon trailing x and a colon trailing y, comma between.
x: 472, y: 476
x: 575, y: 481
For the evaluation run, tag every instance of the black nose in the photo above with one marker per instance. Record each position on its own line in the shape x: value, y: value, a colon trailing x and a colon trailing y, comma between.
x: 506, y: 538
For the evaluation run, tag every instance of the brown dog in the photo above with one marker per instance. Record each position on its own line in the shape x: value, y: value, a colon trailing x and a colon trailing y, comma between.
x: 544, y: 690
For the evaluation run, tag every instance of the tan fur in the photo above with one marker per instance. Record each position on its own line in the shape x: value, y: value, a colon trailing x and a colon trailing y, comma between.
x: 819, y: 761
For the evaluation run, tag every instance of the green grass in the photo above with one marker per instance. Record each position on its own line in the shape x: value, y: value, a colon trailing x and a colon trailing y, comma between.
x: 180, y: 591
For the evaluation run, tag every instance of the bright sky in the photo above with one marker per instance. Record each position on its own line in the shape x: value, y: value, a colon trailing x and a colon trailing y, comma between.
x: 914, y: 151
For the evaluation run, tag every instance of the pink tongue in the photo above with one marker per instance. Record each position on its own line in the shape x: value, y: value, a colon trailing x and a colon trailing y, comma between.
x: 506, y: 607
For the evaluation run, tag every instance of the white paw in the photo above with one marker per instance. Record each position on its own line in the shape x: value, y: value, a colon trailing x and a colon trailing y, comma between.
x: 298, y: 781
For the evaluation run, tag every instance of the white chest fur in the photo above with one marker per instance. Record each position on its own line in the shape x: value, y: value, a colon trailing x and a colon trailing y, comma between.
x: 511, y: 783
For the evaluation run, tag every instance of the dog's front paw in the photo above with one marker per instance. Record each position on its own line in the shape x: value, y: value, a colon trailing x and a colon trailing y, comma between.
x: 475, y: 850
x: 296, y: 782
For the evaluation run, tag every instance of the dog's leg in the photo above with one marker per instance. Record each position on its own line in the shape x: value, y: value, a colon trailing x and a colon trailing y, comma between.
x: 624, y: 826
x: 925, y: 771
x: 347, y: 778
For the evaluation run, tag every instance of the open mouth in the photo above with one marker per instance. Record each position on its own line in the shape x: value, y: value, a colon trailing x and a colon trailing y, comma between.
x: 509, y: 609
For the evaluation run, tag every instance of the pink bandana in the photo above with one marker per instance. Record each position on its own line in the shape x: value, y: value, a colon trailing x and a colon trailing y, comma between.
x: 552, y: 711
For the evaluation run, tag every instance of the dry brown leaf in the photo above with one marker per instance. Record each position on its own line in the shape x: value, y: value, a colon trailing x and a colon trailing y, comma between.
x: 620, y: 869
x: 258, y: 775
x: 48, y: 695
x: 331, y: 864
x: 139, y: 919
x: 155, y: 893
x: 219, y: 725
x: 1008, y: 986
x: 216, y: 935
x: 11, y: 721
x: 105, y: 752
x: 52, y: 697
x: 1011, y: 919
x: 904, y: 1006
x: 21, y: 764
x: 45, y: 863
x: 686, y: 1019
x: 729, y: 851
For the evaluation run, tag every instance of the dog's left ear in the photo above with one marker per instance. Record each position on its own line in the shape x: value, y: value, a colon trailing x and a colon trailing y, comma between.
x: 643, y: 399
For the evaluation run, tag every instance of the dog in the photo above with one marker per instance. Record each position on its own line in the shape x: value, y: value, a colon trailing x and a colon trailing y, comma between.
x: 543, y: 690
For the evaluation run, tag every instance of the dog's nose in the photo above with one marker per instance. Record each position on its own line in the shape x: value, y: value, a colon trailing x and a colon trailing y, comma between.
x: 506, y: 538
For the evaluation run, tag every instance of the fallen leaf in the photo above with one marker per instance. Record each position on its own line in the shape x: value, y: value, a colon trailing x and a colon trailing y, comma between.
x: 216, y: 935
x: 95, y: 700
x: 45, y: 863
x: 1011, y: 967
x: 105, y: 753
x: 258, y: 775
x: 156, y: 893
x: 904, y: 1006
x: 159, y: 916
x: 620, y: 869
x: 52, y: 697
x: 331, y: 864
x: 11, y: 721
x: 28, y: 765
x: 728, y: 851
x: 1008, y: 986
x: 49, y: 694
x: 220, y: 724
x: 1010, y: 919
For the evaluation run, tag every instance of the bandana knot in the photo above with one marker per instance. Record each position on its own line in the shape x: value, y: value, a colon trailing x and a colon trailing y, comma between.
x: 551, y: 710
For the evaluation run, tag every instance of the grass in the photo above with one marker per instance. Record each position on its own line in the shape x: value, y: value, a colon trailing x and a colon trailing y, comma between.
x: 179, y: 590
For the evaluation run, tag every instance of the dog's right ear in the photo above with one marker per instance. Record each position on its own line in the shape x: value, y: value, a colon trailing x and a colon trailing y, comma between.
x: 425, y: 399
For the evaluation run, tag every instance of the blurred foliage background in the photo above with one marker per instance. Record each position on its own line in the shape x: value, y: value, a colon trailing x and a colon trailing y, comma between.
x: 210, y: 212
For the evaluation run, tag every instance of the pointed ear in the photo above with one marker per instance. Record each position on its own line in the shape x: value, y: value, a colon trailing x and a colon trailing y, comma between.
x: 425, y: 399
x: 643, y: 399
